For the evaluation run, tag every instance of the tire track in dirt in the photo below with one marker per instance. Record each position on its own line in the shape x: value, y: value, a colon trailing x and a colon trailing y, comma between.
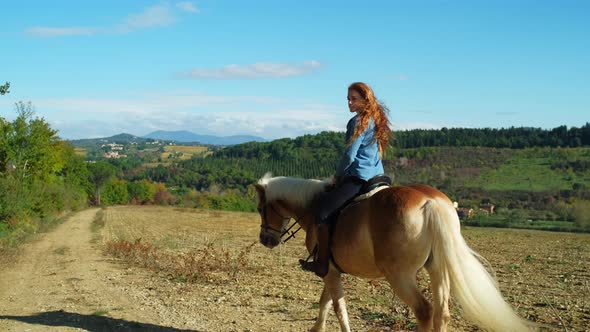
x: 62, y: 282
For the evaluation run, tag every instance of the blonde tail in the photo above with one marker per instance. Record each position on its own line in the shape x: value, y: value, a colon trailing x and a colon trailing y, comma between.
x: 475, y: 289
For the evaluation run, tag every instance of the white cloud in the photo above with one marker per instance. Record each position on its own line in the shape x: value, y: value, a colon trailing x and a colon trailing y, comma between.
x: 143, y: 113
x: 267, y: 117
x: 257, y: 70
x: 187, y: 7
x: 62, y: 31
x: 155, y: 16
x: 408, y: 125
x: 279, y: 125
x: 146, y: 103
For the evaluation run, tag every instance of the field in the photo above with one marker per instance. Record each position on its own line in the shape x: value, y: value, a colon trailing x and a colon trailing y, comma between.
x: 184, y: 151
x: 80, y: 151
x: 208, y: 266
x: 175, y: 153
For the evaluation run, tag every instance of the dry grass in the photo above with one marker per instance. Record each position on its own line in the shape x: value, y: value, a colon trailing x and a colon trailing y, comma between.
x: 176, y: 249
x: 187, y: 151
x: 80, y: 152
x: 190, y: 149
x: 210, y: 264
x: 542, y: 274
x: 97, y: 225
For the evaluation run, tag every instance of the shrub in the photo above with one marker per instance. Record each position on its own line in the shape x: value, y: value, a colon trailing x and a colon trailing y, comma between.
x: 162, y: 196
x: 115, y: 192
x: 13, y: 199
x: 517, y: 216
x: 204, y: 264
x: 581, y: 214
x: 142, y: 192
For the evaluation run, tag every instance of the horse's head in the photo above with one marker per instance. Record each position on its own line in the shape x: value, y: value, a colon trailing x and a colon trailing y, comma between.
x: 274, y: 219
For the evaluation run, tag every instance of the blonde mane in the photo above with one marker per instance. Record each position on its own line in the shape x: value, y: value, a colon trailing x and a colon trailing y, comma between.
x: 294, y: 190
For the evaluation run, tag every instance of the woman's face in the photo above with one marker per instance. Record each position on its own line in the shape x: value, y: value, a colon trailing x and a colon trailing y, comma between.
x: 355, y: 101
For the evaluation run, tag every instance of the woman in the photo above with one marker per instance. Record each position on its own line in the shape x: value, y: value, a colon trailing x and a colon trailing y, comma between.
x: 367, y: 138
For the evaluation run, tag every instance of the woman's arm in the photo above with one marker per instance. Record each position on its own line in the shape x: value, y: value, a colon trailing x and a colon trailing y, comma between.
x: 351, y: 150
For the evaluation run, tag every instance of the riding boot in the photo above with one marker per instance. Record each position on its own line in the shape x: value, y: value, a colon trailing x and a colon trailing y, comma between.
x: 321, y: 264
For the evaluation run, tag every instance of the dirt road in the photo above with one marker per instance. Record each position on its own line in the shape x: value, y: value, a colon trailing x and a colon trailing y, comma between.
x: 62, y: 282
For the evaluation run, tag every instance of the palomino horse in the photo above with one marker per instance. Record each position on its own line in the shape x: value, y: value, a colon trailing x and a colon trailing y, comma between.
x: 392, y: 234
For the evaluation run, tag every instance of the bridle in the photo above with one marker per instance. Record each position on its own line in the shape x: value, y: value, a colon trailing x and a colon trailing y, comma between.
x: 266, y: 228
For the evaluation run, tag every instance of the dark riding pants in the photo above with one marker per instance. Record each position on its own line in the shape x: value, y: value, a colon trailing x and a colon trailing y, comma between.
x: 330, y: 202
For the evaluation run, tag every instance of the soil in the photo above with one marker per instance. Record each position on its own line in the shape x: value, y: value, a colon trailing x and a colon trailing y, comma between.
x: 63, y: 281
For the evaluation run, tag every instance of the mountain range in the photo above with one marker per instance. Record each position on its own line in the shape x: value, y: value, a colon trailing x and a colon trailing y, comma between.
x: 189, y: 137
x: 182, y: 136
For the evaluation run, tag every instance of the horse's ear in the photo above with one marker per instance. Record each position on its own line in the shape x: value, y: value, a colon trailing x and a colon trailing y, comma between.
x: 261, y: 192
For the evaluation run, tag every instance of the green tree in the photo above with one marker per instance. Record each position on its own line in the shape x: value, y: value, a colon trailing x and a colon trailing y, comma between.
x: 162, y: 196
x: 115, y: 192
x: 5, y: 132
x: 31, y: 157
x: 142, y: 191
x: 13, y: 204
x: 37, y: 177
x: 517, y: 216
x: 4, y: 88
x: 74, y: 170
x: 100, y: 173
x: 33, y: 149
x: 562, y: 210
x: 581, y: 214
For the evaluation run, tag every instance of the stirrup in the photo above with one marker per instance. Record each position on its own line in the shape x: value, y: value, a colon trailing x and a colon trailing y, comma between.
x: 308, y: 266
x: 306, y: 261
x: 315, y: 267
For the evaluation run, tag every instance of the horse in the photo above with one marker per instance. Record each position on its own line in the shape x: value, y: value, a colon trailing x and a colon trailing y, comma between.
x: 392, y: 235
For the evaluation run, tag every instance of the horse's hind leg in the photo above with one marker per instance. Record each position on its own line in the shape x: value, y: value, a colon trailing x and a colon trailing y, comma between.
x: 404, y: 285
x: 325, y: 303
x: 440, y: 287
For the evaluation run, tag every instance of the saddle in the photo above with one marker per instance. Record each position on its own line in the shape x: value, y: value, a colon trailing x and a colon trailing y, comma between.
x: 372, y: 186
x: 380, y: 180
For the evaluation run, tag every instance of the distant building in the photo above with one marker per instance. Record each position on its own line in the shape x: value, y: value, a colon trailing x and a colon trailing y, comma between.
x: 487, y: 208
x: 114, y: 155
x: 113, y: 146
x: 465, y: 213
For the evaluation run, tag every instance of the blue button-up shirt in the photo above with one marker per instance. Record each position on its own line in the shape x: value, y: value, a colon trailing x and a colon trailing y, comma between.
x: 361, y: 158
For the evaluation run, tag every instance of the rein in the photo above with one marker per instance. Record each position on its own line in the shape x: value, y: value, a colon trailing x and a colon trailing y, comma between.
x: 288, y: 232
x: 292, y: 233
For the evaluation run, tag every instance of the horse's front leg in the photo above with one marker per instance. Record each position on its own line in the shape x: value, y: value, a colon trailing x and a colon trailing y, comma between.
x: 333, y: 283
x: 325, y: 303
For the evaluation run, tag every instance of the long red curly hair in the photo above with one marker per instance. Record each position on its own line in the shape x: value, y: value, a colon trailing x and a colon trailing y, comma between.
x: 372, y: 108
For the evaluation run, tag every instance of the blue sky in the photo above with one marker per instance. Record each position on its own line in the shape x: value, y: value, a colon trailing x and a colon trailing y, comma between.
x: 281, y: 68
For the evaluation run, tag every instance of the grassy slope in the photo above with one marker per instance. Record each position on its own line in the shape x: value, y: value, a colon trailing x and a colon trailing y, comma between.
x: 491, y: 169
x: 530, y: 170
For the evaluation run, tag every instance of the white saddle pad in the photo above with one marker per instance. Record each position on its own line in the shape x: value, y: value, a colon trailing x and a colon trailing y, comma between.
x: 370, y: 193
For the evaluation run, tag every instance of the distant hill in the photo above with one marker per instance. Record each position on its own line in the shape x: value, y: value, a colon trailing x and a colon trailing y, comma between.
x: 123, y: 138
x: 187, y: 136
x: 170, y: 136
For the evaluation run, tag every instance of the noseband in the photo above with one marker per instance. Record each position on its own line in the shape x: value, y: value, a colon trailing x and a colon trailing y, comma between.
x: 266, y: 228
